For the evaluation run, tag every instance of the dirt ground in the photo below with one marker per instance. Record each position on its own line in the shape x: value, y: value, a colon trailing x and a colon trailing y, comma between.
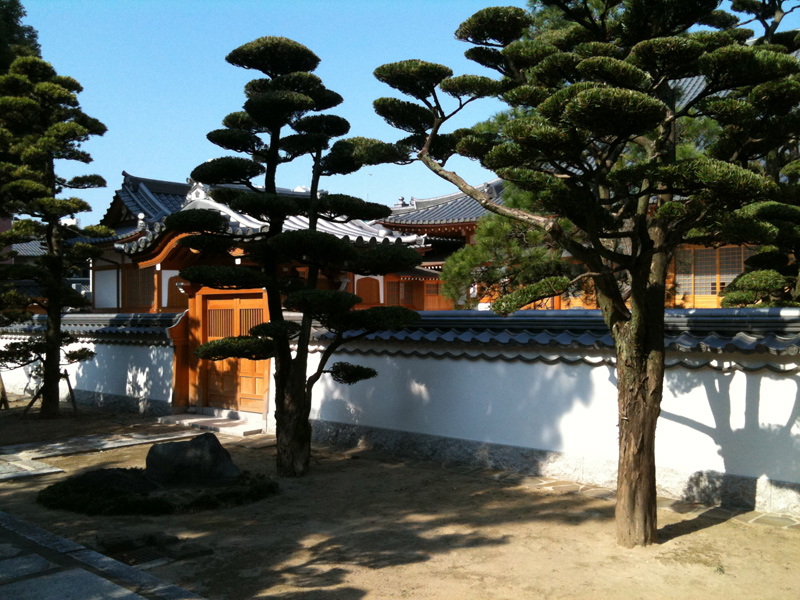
x: 363, y: 525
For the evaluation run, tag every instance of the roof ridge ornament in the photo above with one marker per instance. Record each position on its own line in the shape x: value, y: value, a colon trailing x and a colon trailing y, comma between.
x: 197, y: 191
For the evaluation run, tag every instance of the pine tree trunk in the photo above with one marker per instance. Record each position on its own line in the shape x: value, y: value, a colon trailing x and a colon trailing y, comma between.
x: 3, y: 395
x: 640, y: 382
x: 52, y: 291
x: 51, y: 369
x: 639, y: 399
x: 293, y: 429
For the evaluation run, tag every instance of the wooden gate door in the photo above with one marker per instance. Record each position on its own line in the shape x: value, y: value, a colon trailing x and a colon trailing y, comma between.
x: 236, y: 384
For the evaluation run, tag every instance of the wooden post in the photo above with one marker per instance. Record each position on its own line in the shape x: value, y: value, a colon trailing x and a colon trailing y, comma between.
x: 65, y: 375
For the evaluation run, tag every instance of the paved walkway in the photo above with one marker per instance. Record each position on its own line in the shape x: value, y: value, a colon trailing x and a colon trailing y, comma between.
x: 23, y: 460
x: 37, y: 565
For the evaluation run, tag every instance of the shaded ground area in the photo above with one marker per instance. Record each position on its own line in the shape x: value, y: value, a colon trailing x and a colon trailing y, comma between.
x: 362, y: 525
x: 89, y: 421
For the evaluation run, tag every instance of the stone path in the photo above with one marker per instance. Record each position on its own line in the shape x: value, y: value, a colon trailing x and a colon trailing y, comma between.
x: 37, y: 565
x: 22, y: 460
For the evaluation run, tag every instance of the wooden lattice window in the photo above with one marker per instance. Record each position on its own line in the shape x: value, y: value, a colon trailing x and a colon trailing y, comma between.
x: 399, y: 293
x: 249, y: 318
x: 220, y: 322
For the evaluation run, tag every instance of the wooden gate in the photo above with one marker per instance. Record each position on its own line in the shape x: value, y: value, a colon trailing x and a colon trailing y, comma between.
x: 236, y: 384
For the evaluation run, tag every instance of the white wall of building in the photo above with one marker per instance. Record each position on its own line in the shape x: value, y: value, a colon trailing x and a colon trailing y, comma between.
x: 166, y: 275
x: 718, y: 427
x: 730, y: 425
x: 132, y: 377
x: 104, y: 290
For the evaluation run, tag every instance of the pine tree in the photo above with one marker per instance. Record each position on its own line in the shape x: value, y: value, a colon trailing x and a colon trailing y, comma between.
x: 286, y: 98
x: 41, y: 122
x: 770, y: 277
x: 584, y: 97
x: 16, y: 39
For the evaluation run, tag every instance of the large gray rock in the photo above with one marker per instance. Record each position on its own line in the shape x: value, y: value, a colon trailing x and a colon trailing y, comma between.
x: 201, y: 460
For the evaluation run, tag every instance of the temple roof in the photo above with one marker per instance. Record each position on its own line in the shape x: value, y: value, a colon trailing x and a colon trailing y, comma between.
x: 150, y: 201
x: 441, y: 210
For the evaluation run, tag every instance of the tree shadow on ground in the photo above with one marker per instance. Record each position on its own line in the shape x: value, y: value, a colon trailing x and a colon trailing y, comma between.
x: 392, y: 515
x: 354, y: 511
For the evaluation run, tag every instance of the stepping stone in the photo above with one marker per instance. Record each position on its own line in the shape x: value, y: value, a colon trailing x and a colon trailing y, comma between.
x: 22, y: 566
x: 17, y: 467
x: 8, y: 550
x: 75, y: 584
x: 774, y: 521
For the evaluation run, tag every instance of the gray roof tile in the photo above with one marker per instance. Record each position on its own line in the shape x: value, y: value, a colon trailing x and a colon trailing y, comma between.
x: 749, y: 331
x: 453, y: 208
x: 132, y: 328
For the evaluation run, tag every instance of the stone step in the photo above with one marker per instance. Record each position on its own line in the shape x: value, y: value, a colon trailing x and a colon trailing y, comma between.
x: 235, y: 427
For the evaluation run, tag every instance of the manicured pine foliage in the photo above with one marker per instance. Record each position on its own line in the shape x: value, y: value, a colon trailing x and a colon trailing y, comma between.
x: 289, y: 98
x: 769, y: 114
x: 41, y: 123
x: 583, y: 98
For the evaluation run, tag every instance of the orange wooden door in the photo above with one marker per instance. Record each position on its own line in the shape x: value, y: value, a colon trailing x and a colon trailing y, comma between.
x: 236, y: 384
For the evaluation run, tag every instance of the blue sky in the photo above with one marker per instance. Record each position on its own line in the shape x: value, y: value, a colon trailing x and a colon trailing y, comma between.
x: 155, y: 73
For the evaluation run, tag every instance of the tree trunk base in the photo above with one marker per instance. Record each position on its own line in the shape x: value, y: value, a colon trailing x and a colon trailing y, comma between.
x: 294, y: 448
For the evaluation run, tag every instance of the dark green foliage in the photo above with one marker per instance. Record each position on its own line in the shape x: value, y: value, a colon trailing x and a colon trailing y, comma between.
x: 329, y: 126
x: 41, y: 124
x: 274, y: 56
x: 347, y: 156
x: 274, y: 109
x: 225, y: 277
x: 276, y: 329
x: 471, y: 86
x: 404, y: 115
x: 108, y: 492
x: 274, y: 258
x: 187, y: 221
x: 495, y: 26
x: 319, y: 303
x: 266, y: 207
x: 16, y: 39
x: 313, y: 247
x: 416, y: 78
x: 228, y: 169
x: 238, y: 140
x: 210, y: 244
x: 385, y: 258
x: 244, y: 346
x: 348, y: 374
x: 342, y: 206
x: 621, y: 169
x: 370, y: 320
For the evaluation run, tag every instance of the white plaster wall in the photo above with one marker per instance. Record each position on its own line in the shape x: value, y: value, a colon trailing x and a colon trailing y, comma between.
x: 736, y: 423
x: 166, y: 275
x: 136, y: 372
x: 139, y: 372
x: 105, y: 289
